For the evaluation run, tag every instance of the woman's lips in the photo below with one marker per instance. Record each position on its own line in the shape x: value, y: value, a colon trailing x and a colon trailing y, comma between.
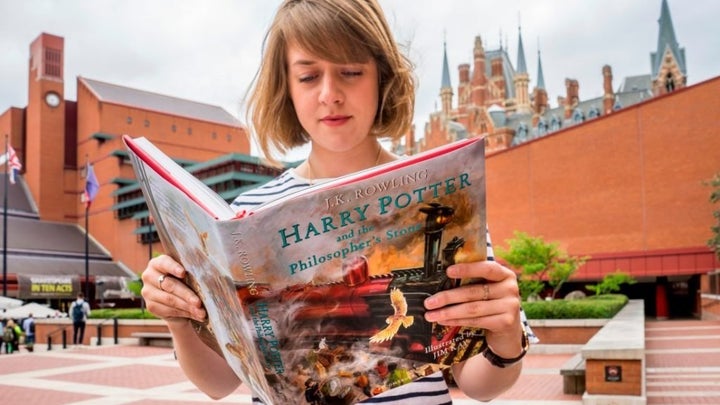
x: 335, y: 120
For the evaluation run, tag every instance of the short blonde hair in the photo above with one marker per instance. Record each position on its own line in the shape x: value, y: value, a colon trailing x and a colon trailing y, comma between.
x: 340, y: 31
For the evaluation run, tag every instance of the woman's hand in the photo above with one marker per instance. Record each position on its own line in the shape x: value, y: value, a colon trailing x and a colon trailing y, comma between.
x: 493, y: 305
x: 166, y: 295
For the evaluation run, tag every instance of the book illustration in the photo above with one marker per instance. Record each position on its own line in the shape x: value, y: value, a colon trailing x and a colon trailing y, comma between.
x: 330, y: 332
x: 397, y: 319
x: 320, y: 295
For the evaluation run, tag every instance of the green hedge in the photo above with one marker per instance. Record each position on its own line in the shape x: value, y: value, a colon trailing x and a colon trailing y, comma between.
x: 121, y: 313
x: 593, y: 307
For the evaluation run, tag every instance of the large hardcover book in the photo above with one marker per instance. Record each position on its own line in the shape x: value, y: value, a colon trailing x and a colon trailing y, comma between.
x: 320, y: 293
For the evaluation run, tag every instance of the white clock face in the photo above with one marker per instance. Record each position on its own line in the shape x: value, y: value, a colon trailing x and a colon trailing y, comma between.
x: 52, y: 99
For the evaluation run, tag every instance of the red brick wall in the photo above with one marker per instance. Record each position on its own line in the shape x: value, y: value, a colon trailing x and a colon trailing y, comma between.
x: 191, y: 140
x: 571, y: 335
x: 631, y: 373
x: 631, y: 181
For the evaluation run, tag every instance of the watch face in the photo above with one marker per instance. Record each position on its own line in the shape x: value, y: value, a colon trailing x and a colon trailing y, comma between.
x: 52, y: 99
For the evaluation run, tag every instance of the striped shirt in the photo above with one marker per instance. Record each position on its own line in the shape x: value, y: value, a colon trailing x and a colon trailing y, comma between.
x: 430, y: 390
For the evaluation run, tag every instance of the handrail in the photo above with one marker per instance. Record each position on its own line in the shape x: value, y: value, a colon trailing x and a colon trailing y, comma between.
x: 115, y: 330
x: 64, y: 337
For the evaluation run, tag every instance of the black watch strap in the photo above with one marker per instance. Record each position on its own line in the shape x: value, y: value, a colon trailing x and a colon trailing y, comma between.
x: 502, y: 362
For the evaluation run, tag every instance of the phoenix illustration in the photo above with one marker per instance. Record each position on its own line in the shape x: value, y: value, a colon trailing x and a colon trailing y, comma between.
x: 400, y: 317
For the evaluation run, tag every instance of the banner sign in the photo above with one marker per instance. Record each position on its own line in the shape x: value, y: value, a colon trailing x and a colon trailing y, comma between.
x: 42, y: 286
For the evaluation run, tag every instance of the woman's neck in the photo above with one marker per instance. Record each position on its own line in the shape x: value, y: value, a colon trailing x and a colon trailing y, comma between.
x: 325, y: 164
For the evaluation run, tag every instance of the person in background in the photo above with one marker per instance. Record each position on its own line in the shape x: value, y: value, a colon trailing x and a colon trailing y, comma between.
x: 333, y: 76
x: 11, y: 336
x: 79, y: 312
x: 28, y: 327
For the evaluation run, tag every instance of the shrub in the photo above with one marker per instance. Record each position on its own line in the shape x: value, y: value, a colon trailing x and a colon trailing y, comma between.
x: 121, y: 313
x: 611, y: 283
x: 595, y: 307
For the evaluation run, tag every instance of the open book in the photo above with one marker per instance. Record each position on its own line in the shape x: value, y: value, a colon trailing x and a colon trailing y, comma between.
x: 321, y: 292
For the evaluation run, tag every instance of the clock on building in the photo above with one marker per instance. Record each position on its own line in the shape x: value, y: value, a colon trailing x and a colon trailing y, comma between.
x: 52, y: 99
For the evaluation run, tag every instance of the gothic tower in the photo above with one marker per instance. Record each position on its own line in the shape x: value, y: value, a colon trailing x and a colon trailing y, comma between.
x: 522, y: 80
x: 540, y: 97
x: 668, y: 62
x: 446, y: 91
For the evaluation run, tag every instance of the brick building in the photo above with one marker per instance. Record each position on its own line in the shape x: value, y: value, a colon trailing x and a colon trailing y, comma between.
x: 620, y: 178
x: 56, y: 137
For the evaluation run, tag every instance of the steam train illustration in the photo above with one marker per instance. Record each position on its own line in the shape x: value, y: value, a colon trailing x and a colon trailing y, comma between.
x: 351, y: 311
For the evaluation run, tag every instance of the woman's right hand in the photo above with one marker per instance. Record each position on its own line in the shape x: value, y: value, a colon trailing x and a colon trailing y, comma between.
x: 166, y: 294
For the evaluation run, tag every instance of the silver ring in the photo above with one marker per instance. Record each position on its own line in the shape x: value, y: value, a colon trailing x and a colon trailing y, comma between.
x: 160, y: 280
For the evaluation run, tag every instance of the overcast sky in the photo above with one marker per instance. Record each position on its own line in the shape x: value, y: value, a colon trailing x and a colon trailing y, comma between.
x: 208, y: 51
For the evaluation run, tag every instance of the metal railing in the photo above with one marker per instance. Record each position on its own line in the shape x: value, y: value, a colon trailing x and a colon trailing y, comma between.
x: 63, y: 333
x: 100, y: 328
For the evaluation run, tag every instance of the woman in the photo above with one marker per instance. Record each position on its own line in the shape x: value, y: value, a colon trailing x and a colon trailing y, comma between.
x: 332, y: 75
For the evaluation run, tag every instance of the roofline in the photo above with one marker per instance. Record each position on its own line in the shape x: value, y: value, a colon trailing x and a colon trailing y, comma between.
x: 87, y: 85
x: 605, y: 116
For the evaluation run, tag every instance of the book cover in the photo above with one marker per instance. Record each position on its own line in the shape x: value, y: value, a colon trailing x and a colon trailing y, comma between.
x: 322, y: 292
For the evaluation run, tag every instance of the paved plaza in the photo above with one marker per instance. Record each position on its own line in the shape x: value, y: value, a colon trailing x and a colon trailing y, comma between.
x: 683, y: 367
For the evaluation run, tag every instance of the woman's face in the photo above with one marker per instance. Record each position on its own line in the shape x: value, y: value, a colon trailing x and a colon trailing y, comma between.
x: 335, y: 103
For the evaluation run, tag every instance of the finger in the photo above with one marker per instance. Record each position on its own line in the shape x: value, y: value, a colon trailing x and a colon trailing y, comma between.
x: 494, y: 315
x: 478, y: 292
x: 164, y: 311
x: 182, y: 302
x: 167, y: 265
x: 488, y: 270
x: 497, y: 323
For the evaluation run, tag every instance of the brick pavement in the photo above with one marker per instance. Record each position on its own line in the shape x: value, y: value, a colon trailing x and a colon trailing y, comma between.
x: 683, y: 364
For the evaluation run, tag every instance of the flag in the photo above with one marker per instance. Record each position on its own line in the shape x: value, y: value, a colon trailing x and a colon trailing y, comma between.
x: 13, y: 162
x: 91, y: 186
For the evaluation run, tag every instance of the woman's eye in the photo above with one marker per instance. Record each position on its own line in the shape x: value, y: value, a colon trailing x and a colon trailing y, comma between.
x: 306, y: 78
x: 352, y: 73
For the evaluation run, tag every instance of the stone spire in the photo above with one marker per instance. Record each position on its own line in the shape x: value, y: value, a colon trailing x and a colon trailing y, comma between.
x: 446, y: 91
x: 668, y: 67
x: 521, y: 79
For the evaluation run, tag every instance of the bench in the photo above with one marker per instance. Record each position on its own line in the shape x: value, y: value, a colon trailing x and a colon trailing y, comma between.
x: 573, y: 372
x: 153, y: 338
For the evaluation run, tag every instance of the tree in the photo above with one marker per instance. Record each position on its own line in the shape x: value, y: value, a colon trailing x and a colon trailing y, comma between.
x: 611, y: 283
x: 539, y: 261
x: 714, y: 242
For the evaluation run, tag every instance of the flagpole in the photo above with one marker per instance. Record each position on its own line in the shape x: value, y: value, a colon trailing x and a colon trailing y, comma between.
x: 87, y: 241
x: 5, y: 204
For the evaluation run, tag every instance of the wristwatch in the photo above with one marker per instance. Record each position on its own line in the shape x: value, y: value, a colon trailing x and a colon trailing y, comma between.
x: 502, y: 362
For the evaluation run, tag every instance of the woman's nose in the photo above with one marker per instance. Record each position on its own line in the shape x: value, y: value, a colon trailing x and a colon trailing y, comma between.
x: 330, y: 91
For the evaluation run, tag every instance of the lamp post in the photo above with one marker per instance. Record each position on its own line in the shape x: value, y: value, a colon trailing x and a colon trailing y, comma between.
x: 150, y: 253
x: 150, y: 236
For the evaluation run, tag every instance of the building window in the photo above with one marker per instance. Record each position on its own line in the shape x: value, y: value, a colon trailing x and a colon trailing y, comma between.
x: 578, y: 115
x: 669, y: 83
x: 522, y: 132
x: 129, y: 120
x: 542, y: 127
x: 173, y: 128
x: 53, y: 62
x: 214, y: 135
x: 555, y: 123
x: 228, y: 137
x: 189, y: 131
x: 147, y: 123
